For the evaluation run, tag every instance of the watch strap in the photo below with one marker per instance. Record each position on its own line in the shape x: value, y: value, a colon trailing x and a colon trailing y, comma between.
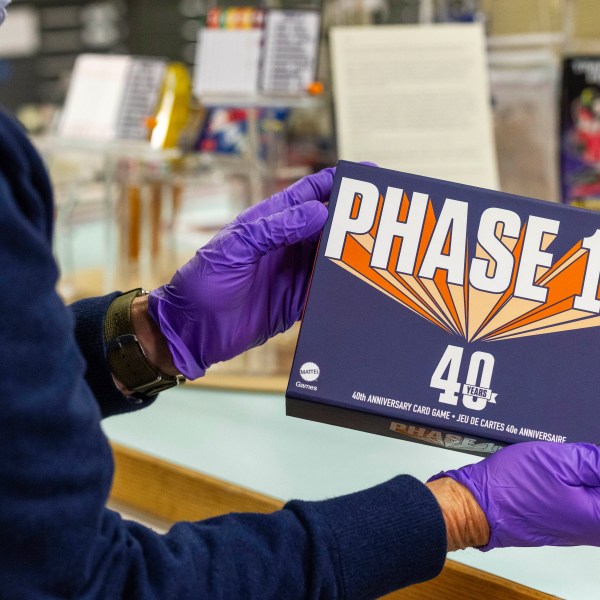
x: 125, y: 355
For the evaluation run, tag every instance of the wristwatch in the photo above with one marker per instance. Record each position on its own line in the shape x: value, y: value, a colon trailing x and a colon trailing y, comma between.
x: 126, y: 356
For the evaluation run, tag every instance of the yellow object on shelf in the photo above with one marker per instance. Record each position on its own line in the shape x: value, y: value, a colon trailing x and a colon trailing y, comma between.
x: 173, y: 107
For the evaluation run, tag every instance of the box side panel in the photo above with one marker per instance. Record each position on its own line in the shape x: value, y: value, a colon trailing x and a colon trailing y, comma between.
x: 394, y: 428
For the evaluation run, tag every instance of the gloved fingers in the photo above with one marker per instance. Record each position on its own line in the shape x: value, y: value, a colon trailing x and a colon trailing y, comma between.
x: 312, y: 187
x: 577, y: 464
x: 572, y: 464
x: 290, y: 226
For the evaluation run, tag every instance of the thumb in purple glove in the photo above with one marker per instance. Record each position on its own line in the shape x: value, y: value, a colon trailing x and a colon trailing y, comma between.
x: 248, y: 283
x: 537, y: 494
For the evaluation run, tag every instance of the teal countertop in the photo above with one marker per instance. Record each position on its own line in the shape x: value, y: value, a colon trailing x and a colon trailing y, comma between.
x: 246, y: 439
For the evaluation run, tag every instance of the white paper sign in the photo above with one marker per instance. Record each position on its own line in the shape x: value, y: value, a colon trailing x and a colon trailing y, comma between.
x: 110, y: 97
x: 227, y: 61
x: 95, y: 97
x: 415, y: 99
x: 290, y: 51
x: 141, y: 97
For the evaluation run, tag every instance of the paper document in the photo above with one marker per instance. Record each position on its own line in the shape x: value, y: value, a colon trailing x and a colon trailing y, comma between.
x: 141, y: 97
x: 415, y: 99
x: 227, y: 61
x: 110, y: 97
x: 290, y: 51
x: 93, y: 104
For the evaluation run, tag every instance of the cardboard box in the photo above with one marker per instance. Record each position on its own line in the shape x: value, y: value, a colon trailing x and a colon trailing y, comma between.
x: 451, y: 315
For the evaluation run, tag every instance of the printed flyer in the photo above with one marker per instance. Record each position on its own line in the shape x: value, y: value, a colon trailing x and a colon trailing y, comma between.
x: 451, y: 315
x: 580, y: 129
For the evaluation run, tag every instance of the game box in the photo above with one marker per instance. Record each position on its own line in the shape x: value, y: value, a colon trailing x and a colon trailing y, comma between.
x: 451, y: 315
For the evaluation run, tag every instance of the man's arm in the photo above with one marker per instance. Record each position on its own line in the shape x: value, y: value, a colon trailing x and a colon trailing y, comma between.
x: 58, y: 540
x: 359, y: 546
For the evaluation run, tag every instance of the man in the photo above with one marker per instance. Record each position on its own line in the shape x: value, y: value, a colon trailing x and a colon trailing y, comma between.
x: 63, y: 369
x: 59, y: 376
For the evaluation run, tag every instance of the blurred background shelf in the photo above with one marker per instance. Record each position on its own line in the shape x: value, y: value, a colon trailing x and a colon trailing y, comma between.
x: 250, y: 383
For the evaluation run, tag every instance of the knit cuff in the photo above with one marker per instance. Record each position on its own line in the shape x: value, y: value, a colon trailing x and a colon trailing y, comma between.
x: 89, y: 331
x: 388, y: 537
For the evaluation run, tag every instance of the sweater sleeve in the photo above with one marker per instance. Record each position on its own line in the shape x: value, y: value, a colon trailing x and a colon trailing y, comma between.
x: 359, y: 546
x: 89, y: 315
x: 57, y: 539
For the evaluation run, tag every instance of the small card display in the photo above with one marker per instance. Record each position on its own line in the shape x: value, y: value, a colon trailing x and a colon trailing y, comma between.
x: 252, y: 52
x: 111, y: 97
x: 290, y: 52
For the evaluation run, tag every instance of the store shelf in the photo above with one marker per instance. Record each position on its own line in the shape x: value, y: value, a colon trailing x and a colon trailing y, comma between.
x: 283, y: 101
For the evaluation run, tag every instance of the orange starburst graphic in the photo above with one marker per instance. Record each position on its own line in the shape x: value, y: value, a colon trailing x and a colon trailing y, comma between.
x: 462, y: 309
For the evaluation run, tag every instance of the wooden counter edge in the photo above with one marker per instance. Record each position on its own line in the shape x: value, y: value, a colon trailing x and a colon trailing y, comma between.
x: 174, y: 493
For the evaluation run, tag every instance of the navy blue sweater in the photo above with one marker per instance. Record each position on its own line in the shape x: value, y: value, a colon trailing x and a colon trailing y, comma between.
x: 57, y: 539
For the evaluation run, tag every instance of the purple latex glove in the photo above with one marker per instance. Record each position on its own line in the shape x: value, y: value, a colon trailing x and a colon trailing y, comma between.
x: 248, y: 283
x: 537, y: 494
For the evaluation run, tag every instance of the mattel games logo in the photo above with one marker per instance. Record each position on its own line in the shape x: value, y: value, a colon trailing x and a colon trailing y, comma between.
x: 310, y: 371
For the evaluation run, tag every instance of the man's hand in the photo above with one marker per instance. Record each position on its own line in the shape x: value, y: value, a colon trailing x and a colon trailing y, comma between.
x: 536, y: 494
x: 248, y: 283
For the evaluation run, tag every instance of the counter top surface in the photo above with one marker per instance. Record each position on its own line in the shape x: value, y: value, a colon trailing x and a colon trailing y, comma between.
x: 245, y: 438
